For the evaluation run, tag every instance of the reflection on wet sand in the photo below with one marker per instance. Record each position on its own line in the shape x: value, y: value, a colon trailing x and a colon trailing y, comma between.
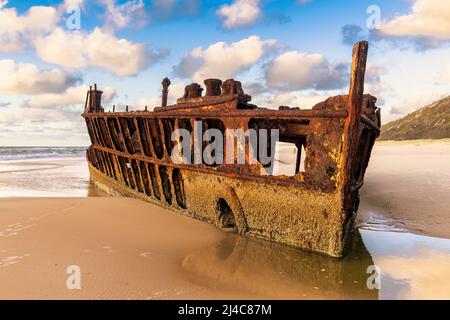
x: 424, y: 276
x: 277, y: 271
x: 411, y: 266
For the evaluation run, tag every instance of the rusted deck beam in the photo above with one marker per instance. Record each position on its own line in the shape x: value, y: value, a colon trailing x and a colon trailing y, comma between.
x: 283, y: 182
x: 259, y: 113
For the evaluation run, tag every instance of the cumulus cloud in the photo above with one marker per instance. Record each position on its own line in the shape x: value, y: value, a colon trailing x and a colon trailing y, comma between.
x: 69, y: 4
x: 17, y: 30
x: 44, y: 87
x: 149, y: 102
x: 71, y: 96
x: 223, y: 60
x: 241, y: 13
x: 76, y: 49
x: 294, y: 70
x: 122, y: 15
x: 26, y: 78
x: 304, y: 100
x: 428, y: 21
x: 38, y: 27
x: 176, y: 91
x: 73, y: 3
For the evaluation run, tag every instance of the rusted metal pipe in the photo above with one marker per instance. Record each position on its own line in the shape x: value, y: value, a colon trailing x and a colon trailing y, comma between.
x: 165, y: 92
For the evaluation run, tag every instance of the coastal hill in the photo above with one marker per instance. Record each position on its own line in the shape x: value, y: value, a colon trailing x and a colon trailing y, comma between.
x: 430, y: 122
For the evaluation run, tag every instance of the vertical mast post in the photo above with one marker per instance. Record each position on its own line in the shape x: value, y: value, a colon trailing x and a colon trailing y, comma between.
x: 352, y: 123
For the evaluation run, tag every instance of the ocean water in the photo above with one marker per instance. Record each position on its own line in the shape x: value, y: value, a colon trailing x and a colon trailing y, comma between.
x: 43, y: 172
x: 24, y: 153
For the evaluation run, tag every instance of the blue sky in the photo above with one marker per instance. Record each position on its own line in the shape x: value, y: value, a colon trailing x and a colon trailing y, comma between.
x: 290, y: 52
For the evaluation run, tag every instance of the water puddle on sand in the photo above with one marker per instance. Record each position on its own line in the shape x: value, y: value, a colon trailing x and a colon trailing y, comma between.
x: 411, y: 267
x: 376, y: 222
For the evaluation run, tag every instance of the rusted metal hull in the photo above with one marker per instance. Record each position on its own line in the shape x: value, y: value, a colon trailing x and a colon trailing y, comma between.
x: 314, y: 209
x: 315, y: 222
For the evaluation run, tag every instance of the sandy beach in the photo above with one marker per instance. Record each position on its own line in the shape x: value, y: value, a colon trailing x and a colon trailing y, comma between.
x: 129, y: 249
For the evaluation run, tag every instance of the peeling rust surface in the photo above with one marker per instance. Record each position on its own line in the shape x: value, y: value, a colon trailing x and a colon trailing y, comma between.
x: 314, y: 209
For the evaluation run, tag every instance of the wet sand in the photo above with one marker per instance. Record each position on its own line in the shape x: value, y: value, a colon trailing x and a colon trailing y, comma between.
x: 128, y: 249
x: 409, y: 184
x: 65, y: 177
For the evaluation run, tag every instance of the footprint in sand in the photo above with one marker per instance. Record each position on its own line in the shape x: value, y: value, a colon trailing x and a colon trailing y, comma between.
x: 109, y: 250
x: 8, y: 261
x: 13, y: 230
x: 145, y: 254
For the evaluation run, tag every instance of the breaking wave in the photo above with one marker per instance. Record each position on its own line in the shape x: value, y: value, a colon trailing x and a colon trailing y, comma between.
x: 24, y: 153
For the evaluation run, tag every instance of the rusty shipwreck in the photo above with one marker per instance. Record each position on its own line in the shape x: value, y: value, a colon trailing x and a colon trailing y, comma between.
x: 314, y: 209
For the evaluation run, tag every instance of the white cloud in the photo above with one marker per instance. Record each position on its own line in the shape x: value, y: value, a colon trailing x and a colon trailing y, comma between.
x: 222, y: 60
x: 399, y: 106
x: 176, y: 91
x: 304, y: 100
x: 71, y: 4
x: 429, y: 18
x: 71, y: 96
x: 294, y: 70
x: 240, y: 13
x: 26, y: 78
x: 76, y: 49
x: 63, y: 48
x: 149, y: 102
x: 17, y: 30
x: 122, y: 15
